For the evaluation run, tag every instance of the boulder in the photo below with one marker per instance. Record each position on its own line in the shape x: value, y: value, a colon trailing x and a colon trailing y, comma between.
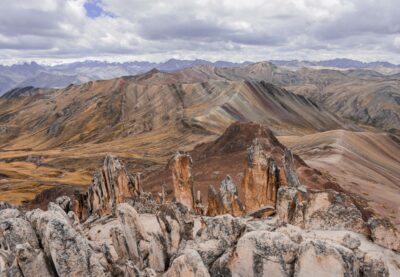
x: 32, y: 262
x: 133, y: 232
x: 263, y: 253
x: 70, y: 253
x: 39, y: 220
x: 331, y: 210
x: 14, y: 231
x: 187, y: 265
x: 216, y: 235
x: 325, y: 258
x: 324, y: 210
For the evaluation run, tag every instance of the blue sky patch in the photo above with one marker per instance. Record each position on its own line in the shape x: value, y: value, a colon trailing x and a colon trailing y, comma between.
x: 93, y: 9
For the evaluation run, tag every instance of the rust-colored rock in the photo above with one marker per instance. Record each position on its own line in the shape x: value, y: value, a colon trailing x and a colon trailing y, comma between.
x: 182, y: 179
x: 261, y: 179
x: 224, y: 201
x: 112, y: 185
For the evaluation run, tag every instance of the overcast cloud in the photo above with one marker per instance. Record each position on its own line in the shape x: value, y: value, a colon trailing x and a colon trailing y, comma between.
x: 236, y: 30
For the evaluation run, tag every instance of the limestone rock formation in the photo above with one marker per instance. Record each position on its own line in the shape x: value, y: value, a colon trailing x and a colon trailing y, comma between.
x: 226, y: 200
x: 306, y: 233
x: 182, y: 179
x: 112, y: 185
x: 261, y: 179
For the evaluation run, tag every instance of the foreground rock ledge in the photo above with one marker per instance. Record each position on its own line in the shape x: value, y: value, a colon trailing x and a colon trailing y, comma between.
x: 175, y: 242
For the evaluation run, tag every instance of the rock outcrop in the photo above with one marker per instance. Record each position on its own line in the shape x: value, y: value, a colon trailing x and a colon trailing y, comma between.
x: 261, y: 179
x: 225, y: 200
x: 112, y: 185
x: 182, y: 179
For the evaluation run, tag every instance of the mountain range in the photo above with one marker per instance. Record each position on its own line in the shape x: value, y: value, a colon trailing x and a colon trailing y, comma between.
x: 56, y: 138
x: 57, y: 76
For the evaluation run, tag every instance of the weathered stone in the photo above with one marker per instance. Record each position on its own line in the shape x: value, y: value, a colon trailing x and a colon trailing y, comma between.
x: 326, y: 210
x: 217, y: 235
x: 176, y: 224
x: 331, y: 210
x: 32, y: 262
x: 39, y: 221
x: 182, y: 179
x: 384, y: 233
x: 158, y: 256
x: 6, y: 259
x: 73, y: 218
x: 189, y: 265
x: 70, y: 253
x: 65, y: 203
x: 261, y: 179
x: 119, y: 243
x: 351, y: 242
x: 293, y: 232
x: 57, y: 209
x: 374, y: 265
x: 111, y: 185
x: 13, y: 270
x: 263, y: 253
x: 264, y: 211
x: 133, y: 232
x: 323, y: 258
x: 9, y: 213
x: 14, y: 231
x: 223, y: 227
x: 225, y: 200
x: 291, y: 205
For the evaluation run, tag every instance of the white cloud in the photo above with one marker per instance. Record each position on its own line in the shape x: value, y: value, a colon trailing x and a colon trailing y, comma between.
x: 225, y: 29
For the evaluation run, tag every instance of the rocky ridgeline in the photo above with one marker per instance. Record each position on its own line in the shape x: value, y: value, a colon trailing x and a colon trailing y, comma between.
x: 277, y: 227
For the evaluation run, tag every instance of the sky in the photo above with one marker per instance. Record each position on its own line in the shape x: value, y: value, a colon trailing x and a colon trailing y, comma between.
x: 56, y: 31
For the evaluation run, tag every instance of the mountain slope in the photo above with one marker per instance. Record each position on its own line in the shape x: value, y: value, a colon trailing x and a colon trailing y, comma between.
x: 143, y: 119
x: 361, y: 162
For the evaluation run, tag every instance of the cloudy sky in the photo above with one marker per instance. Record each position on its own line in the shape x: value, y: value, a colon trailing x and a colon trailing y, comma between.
x: 54, y: 31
